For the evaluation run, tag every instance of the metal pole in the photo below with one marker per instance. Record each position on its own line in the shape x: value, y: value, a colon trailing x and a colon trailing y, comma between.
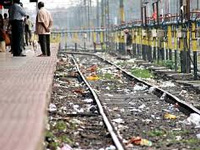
x: 89, y: 5
x: 102, y: 21
x: 98, y: 14
x: 85, y: 12
x: 98, y: 21
x: 122, y: 16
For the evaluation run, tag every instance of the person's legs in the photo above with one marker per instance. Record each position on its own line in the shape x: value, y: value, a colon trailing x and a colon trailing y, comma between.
x: 17, y: 37
x: 26, y: 37
x: 42, y: 41
x: 30, y: 37
x: 2, y: 46
x: 48, y: 45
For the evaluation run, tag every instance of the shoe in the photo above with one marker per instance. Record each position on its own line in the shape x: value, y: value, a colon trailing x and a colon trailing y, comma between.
x: 41, y: 55
x: 22, y: 55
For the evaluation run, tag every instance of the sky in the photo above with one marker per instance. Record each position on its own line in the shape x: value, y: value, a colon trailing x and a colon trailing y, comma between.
x: 51, y: 3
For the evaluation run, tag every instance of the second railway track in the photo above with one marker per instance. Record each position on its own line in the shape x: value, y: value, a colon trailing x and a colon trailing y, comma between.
x: 138, y: 110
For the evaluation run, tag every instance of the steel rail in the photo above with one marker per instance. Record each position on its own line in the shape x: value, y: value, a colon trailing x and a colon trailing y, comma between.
x: 119, y: 145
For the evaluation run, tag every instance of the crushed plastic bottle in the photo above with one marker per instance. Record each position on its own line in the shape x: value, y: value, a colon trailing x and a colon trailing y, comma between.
x: 140, y: 141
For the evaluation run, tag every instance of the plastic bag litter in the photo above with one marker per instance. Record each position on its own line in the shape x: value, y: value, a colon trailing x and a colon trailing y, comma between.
x: 119, y: 120
x: 151, y: 89
x: 66, y: 147
x: 88, y: 100
x: 142, y: 106
x: 52, y: 107
x: 110, y: 95
x: 184, y: 93
x: 139, y: 88
x: 111, y: 147
x: 194, y: 119
x: 167, y: 84
x: 163, y: 96
x: 198, y: 136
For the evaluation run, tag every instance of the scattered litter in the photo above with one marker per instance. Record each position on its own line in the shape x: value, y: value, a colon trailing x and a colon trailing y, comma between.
x: 142, y: 106
x: 52, y: 107
x: 139, y: 87
x: 93, y: 109
x: 88, y: 100
x: 131, y: 61
x: 115, y: 108
x: 92, y: 78
x: 63, y: 108
x: 135, y: 110
x: 119, y: 120
x: 111, y: 147
x: 169, y: 116
x: 66, y: 147
x: 108, y: 95
x: 151, y: 89
x: 127, y: 91
x: 140, y: 141
x: 131, y: 103
x: 167, y: 84
x: 198, y: 136
x: 78, y: 109
x: 171, y: 108
x: 147, y: 121
x: 92, y: 68
x: 184, y: 93
x: 163, y: 96
x: 79, y: 91
x: 194, y: 119
x: 75, y: 121
x: 178, y: 138
x: 107, y: 88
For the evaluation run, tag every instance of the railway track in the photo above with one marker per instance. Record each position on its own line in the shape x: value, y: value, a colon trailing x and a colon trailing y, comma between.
x: 133, y: 103
x: 74, y: 120
x: 132, y: 109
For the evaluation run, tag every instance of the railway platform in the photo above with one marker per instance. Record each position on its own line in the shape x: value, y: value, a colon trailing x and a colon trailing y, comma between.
x: 25, y: 86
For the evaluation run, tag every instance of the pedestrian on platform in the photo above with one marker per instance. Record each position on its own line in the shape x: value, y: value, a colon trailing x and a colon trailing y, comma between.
x: 2, y: 41
x: 128, y: 42
x: 28, y: 30
x: 5, y: 22
x: 44, y: 23
x: 16, y: 14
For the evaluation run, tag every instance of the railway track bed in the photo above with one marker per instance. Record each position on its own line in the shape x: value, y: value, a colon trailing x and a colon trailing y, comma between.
x: 135, y: 112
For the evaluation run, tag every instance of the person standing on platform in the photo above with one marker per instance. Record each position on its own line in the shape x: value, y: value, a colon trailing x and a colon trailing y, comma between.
x: 128, y: 42
x: 44, y: 23
x: 28, y: 30
x: 2, y: 41
x: 17, y: 13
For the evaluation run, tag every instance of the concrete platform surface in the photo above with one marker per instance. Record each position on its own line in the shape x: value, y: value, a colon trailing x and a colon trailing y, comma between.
x: 25, y: 87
